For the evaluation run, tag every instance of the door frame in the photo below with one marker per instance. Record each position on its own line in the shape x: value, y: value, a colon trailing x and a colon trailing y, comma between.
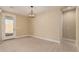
x: 3, y: 33
x: 63, y: 20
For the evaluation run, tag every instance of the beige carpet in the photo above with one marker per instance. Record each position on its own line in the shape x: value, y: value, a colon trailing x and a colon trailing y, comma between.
x: 30, y: 44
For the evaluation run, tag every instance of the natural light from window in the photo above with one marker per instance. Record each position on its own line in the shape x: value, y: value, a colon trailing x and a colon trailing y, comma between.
x: 8, y: 26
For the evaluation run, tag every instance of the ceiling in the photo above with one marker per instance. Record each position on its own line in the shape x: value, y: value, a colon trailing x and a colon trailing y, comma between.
x: 25, y: 10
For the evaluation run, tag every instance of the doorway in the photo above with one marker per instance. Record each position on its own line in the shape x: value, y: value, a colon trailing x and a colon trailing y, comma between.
x: 8, y: 27
x: 69, y: 25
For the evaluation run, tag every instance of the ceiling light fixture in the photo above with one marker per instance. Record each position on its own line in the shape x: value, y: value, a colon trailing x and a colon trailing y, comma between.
x: 32, y: 12
x: 0, y: 10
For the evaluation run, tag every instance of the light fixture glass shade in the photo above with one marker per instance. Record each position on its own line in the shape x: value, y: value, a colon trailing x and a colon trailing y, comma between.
x: 31, y: 15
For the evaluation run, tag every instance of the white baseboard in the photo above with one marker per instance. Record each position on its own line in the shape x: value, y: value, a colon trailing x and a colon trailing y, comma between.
x: 43, y: 38
x: 22, y: 36
x: 48, y: 39
x: 72, y: 40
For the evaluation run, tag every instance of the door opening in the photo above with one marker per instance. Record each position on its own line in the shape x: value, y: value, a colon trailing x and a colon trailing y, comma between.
x: 69, y: 25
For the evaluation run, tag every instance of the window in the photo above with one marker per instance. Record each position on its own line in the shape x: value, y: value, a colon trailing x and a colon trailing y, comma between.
x: 9, y: 26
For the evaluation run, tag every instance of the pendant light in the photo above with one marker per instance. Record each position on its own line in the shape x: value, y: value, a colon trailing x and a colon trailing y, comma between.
x: 32, y: 12
x: 0, y: 10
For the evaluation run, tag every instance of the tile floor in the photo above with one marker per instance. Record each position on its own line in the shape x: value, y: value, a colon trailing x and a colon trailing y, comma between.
x: 30, y: 44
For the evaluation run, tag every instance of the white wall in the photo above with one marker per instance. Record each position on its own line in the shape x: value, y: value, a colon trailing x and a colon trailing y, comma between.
x: 48, y: 24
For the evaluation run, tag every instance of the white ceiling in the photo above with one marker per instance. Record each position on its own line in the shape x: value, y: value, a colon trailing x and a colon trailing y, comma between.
x: 25, y: 10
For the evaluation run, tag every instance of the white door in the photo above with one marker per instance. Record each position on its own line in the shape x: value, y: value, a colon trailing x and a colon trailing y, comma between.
x: 8, y: 27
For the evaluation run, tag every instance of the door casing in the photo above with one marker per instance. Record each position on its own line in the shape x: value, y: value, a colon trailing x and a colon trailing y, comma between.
x: 14, y: 25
